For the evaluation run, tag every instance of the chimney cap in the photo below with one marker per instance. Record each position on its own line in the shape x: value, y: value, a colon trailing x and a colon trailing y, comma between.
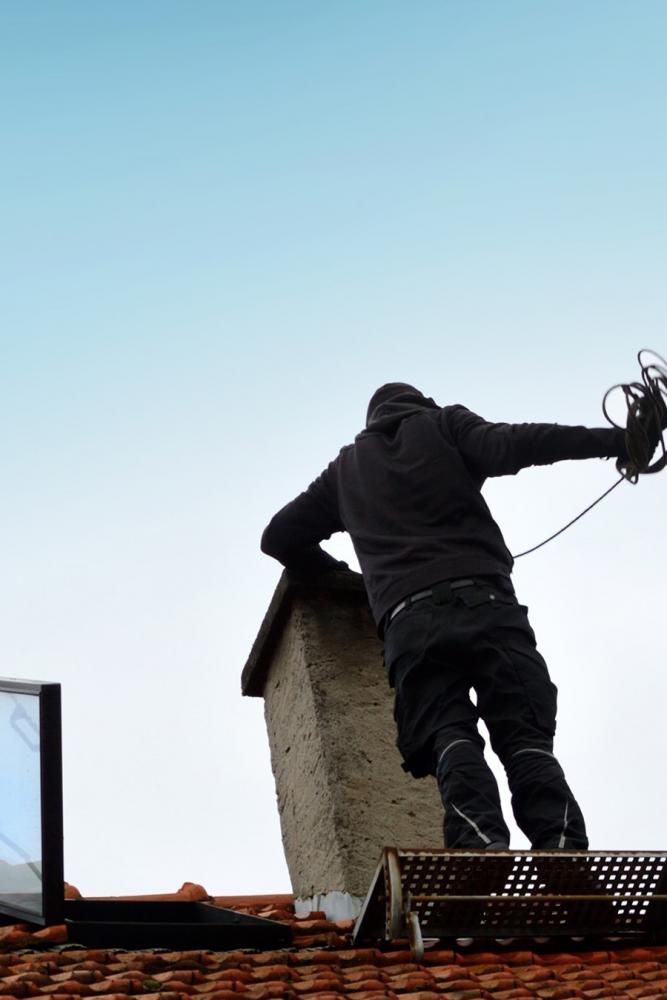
x: 343, y: 583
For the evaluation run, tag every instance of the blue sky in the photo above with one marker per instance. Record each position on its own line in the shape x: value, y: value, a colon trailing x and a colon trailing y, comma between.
x: 223, y: 225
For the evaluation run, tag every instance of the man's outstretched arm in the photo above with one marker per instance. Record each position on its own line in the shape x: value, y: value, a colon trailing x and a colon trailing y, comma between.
x: 292, y: 536
x: 491, y: 449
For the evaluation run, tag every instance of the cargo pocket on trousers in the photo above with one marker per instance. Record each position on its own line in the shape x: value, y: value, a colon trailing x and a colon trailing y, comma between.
x: 540, y: 692
x: 405, y: 639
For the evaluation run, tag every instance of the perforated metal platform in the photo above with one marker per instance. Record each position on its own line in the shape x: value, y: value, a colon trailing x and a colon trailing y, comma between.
x: 509, y: 894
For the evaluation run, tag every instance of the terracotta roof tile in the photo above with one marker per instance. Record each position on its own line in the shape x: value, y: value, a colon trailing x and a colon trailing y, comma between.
x: 373, y: 985
x: 372, y: 995
x: 422, y: 995
x: 324, y: 995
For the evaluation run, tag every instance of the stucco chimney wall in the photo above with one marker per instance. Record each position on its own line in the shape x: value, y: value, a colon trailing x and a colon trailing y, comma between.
x: 342, y: 794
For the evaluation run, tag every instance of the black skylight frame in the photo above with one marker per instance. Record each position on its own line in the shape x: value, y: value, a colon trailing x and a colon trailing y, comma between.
x: 51, y: 804
x: 104, y: 923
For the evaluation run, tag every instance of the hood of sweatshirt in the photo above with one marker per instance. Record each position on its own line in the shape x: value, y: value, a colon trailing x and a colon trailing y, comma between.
x: 392, y: 403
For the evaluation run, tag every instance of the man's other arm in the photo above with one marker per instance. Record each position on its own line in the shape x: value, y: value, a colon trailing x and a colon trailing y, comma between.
x: 490, y: 449
x: 292, y: 536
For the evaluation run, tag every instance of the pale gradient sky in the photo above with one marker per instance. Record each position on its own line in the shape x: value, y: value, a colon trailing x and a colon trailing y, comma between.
x: 223, y: 225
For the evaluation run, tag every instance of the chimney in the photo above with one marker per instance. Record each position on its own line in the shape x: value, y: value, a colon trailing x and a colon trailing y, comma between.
x: 342, y: 795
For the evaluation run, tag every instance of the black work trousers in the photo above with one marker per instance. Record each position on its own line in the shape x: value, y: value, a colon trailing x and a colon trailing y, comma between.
x: 477, y: 636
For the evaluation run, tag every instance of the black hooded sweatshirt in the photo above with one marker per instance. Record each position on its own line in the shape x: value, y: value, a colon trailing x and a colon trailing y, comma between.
x: 408, y: 492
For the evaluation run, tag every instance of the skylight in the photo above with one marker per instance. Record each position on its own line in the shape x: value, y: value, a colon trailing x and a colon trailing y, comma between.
x: 31, y: 870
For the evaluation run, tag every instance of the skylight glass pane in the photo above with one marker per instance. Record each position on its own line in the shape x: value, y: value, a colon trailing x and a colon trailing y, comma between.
x: 20, y: 802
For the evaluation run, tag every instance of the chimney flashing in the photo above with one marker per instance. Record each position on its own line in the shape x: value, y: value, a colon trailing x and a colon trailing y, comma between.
x: 335, y: 905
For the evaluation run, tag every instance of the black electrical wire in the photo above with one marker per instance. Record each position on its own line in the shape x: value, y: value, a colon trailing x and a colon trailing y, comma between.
x: 573, y: 521
x: 646, y: 403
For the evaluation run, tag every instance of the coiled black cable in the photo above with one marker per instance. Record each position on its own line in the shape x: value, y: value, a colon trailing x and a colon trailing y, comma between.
x: 646, y: 403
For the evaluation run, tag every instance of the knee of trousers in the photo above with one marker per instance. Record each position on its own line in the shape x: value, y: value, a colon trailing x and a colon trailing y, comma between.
x: 516, y: 743
x: 457, y: 754
x: 532, y: 764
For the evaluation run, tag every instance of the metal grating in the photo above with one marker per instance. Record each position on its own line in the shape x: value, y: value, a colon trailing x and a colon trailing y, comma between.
x: 455, y: 894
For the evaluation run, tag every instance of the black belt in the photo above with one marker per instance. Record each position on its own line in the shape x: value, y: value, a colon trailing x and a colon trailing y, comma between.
x: 421, y: 594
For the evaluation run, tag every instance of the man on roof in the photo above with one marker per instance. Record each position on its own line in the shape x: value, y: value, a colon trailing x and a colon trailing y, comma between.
x: 437, y: 573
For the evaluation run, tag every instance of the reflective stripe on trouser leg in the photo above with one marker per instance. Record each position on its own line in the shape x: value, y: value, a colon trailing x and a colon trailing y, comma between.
x: 473, y: 816
x: 471, y: 822
x: 547, y: 753
x: 562, y: 841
